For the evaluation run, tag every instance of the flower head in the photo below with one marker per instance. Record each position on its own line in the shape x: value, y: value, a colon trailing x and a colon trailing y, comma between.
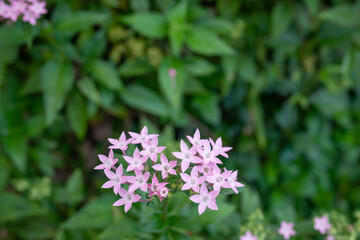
x: 107, y: 162
x: 218, y: 178
x: 248, y: 236
x: 155, y: 186
x: 120, y: 143
x: 286, y: 230
x: 142, y: 137
x: 116, y: 179
x: 205, y: 199
x: 193, y: 181
x: 138, y: 181
x: 165, y: 167
x: 218, y: 146
x: 135, y: 162
x: 195, y: 140
x: 322, y: 224
x: 127, y: 199
x: 187, y: 156
x: 208, y: 154
x: 232, y: 183
x: 151, y: 149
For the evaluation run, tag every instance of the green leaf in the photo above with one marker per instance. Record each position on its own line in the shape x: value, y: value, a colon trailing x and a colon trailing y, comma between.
x: 57, y: 80
x: 88, y: 88
x: 106, y: 74
x: 14, y: 207
x: 97, y: 214
x: 124, y: 228
x: 172, y: 87
x: 134, y: 68
x: 14, y: 34
x: 39, y: 229
x: 4, y: 172
x: 199, y: 67
x: 44, y: 159
x: 140, y: 5
x: 208, y: 108
x: 204, y: 42
x: 280, y: 19
x: 145, y: 100
x: 149, y: 24
x: 16, y: 147
x: 76, y: 113
x: 343, y: 15
x: 73, y: 192
x: 79, y: 21
x: 217, y: 25
x: 250, y: 202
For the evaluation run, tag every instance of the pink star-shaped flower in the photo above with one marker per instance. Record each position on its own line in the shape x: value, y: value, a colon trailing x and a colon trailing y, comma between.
x: 195, y: 140
x: 287, y: 230
x: 248, y: 236
x: 165, y: 167
x: 4, y: 9
x: 330, y: 237
x: 155, y: 186
x: 135, y: 162
x: 232, y: 183
x: 116, y: 179
x: 205, y: 199
x: 127, y: 199
x: 138, y: 181
x: 163, y: 193
x: 218, y: 178
x: 208, y: 154
x: 193, y: 181
x: 206, y: 169
x: 187, y: 156
x: 38, y: 8
x: 142, y: 137
x: 151, y: 149
x: 120, y: 143
x: 107, y: 162
x: 322, y: 224
x: 218, y: 145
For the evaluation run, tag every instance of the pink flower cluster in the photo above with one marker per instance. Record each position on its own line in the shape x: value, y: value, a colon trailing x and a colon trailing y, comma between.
x: 204, y: 156
x: 30, y: 10
x: 322, y: 224
x: 137, y: 176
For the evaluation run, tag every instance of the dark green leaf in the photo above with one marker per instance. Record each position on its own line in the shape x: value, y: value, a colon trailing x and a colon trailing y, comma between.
x: 16, y: 147
x: 134, y: 68
x: 280, y: 19
x: 343, y: 15
x: 208, y: 107
x: 106, y: 74
x: 76, y: 113
x: 149, y: 24
x: 88, y: 88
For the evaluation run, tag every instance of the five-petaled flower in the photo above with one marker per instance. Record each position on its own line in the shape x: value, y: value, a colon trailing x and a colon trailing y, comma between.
x: 116, y: 179
x: 135, y: 162
x: 127, y: 199
x: 120, y: 143
x: 165, y: 167
x: 107, y: 162
x: 218, y: 146
x: 142, y: 137
x: 248, y: 236
x: 287, y: 230
x: 187, y: 156
x: 322, y: 224
x: 151, y: 149
x: 232, y: 182
x: 193, y: 181
x: 205, y: 199
x: 138, y: 181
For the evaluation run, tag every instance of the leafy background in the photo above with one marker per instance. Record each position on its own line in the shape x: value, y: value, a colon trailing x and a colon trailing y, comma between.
x: 278, y: 80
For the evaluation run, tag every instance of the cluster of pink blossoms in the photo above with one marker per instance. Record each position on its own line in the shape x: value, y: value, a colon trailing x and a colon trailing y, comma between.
x: 206, y: 178
x: 322, y: 224
x: 30, y: 10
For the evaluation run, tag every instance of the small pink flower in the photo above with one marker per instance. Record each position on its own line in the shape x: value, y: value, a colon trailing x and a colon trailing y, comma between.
x: 208, y: 154
x: 218, y: 178
x: 187, y: 155
x: 206, y: 169
x: 155, y: 186
x: 163, y: 193
x: 172, y: 72
x: 142, y: 137
x: 135, y: 162
x: 232, y: 183
x: 120, y: 143
x: 107, y: 162
x: 151, y: 149
x: 322, y: 224
x: 218, y: 145
x: 165, y: 167
x: 138, y: 181
x: 205, y: 199
x: 195, y: 140
x: 287, y: 230
x: 248, y: 236
x: 127, y: 199
x: 30, y: 17
x: 330, y: 237
x: 4, y: 9
x: 193, y: 181
x: 116, y: 179
x: 38, y: 8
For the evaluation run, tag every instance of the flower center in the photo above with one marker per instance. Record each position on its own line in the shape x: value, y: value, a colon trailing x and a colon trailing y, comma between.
x: 208, y: 155
x: 205, y: 199
x: 196, y: 143
x: 128, y: 197
x: 166, y: 167
x: 206, y: 169
x: 164, y: 192
x: 108, y: 163
x: 136, y: 162
x: 187, y: 155
x: 152, y: 150
x: 116, y: 180
x: 139, y: 180
x: 219, y: 179
x: 154, y: 187
x: 193, y: 181
x: 121, y: 144
x: 142, y: 137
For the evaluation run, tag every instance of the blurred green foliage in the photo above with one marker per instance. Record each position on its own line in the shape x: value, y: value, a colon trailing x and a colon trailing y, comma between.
x: 278, y: 80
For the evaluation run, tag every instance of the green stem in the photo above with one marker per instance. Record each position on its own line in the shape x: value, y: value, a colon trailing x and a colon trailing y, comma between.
x: 165, y: 209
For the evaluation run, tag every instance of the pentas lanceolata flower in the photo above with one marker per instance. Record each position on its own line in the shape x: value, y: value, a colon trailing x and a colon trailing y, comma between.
x: 29, y: 10
x: 287, y: 230
x: 142, y: 171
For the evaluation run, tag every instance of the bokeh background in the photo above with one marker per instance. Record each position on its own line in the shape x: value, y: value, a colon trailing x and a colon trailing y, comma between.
x: 279, y: 81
